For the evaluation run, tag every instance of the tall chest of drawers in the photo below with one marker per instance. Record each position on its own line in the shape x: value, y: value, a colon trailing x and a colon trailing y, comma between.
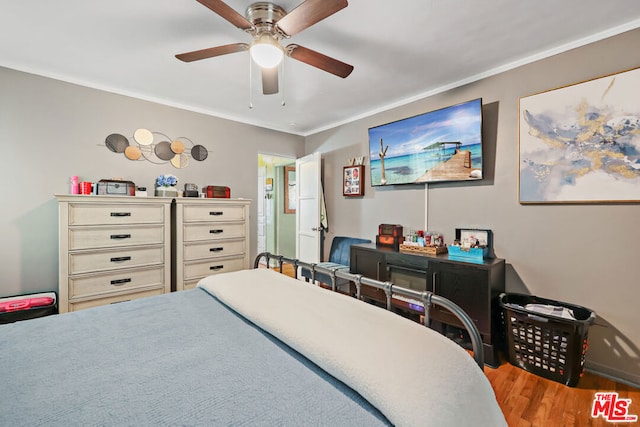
x: 211, y: 236
x: 112, y: 249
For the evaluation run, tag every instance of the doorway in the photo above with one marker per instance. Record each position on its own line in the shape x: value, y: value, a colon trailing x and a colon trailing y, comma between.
x: 276, y: 219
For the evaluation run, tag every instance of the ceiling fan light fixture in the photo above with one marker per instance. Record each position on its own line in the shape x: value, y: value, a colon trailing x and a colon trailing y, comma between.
x: 266, y: 51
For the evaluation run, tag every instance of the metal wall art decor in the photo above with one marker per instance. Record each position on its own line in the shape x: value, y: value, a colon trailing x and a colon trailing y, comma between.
x: 581, y: 143
x: 157, y: 148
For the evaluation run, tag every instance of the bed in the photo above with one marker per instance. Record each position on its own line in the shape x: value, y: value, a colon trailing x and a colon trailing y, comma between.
x: 252, y: 347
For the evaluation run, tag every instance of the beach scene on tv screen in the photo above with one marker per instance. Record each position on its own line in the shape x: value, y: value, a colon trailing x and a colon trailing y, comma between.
x: 441, y: 145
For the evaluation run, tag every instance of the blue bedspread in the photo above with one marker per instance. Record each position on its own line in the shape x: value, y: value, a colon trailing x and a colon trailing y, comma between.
x: 176, y: 359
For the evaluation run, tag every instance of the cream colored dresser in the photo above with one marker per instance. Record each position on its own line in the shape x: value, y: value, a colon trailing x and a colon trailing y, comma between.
x: 212, y: 236
x: 112, y: 249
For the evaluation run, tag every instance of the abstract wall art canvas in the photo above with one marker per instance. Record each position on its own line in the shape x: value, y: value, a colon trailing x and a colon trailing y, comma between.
x: 581, y: 143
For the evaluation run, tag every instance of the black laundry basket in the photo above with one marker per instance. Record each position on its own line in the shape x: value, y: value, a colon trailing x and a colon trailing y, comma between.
x: 547, y: 345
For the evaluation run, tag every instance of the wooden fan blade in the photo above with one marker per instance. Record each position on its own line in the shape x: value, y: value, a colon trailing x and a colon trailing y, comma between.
x: 308, y: 13
x: 212, y: 51
x: 270, y: 81
x: 318, y: 60
x: 225, y: 11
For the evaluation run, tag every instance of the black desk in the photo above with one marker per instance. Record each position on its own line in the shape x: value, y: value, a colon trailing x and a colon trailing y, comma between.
x: 473, y: 285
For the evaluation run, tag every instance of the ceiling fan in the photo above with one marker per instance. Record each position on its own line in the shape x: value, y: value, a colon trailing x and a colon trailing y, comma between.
x: 268, y: 23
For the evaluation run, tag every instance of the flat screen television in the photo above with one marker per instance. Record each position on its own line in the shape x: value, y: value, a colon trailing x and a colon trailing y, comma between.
x: 438, y: 146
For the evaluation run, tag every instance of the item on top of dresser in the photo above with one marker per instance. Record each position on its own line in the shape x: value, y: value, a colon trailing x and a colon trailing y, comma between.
x: 115, y: 187
x: 424, y: 238
x: 166, y: 186
x: 471, y: 244
x: 389, y: 235
x: 423, y: 243
x: 73, y: 185
x: 85, y: 187
x: 218, y: 192
x: 190, y: 190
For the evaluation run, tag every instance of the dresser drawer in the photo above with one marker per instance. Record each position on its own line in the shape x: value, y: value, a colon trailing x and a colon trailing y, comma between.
x: 190, y: 284
x: 195, y: 213
x: 115, y: 213
x: 87, y: 262
x: 196, y: 232
x: 92, y: 285
x: 109, y: 237
x: 95, y: 302
x: 193, y: 251
x: 198, y: 270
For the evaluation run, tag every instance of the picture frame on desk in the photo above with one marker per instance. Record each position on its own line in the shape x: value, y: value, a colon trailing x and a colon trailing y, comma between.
x: 353, y: 181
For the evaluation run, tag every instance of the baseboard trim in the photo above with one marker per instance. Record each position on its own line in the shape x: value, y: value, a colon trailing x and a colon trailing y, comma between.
x: 613, y: 374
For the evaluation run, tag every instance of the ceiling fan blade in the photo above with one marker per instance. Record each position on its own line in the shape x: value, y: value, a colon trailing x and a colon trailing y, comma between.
x: 212, y: 51
x: 270, y: 81
x: 308, y: 13
x: 318, y: 60
x: 225, y: 11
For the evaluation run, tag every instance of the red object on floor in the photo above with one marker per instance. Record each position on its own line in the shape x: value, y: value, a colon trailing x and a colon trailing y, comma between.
x: 26, y: 303
x: 29, y: 306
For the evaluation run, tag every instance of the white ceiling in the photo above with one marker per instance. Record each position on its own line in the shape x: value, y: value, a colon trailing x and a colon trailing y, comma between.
x: 402, y: 50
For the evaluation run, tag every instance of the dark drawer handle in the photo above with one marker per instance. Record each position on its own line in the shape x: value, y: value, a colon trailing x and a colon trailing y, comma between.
x: 216, y: 249
x: 120, y: 282
x: 120, y: 213
x: 121, y: 236
x: 121, y: 258
x: 218, y: 231
x: 216, y: 267
x: 216, y: 213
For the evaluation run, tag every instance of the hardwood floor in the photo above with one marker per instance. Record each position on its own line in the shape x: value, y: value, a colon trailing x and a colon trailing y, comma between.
x: 528, y: 400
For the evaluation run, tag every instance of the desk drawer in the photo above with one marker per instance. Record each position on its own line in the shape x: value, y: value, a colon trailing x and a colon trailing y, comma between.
x: 115, y: 282
x: 193, y: 251
x: 109, y: 237
x: 198, y: 270
x: 194, y: 213
x: 115, y: 213
x: 87, y: 262
x: 212, y: 231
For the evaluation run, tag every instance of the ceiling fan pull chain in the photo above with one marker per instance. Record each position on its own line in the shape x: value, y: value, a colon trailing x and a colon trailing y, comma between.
x: 250, y: 83
x: 281, y: 77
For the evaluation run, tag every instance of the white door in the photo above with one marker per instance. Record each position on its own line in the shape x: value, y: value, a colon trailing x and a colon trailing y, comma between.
x: 308, y: 198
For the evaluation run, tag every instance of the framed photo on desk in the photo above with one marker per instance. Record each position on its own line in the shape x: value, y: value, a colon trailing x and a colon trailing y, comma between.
x: 353, y: 181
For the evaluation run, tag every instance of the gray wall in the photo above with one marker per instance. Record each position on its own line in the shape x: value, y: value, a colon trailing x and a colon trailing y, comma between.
x: 583, y: 254
x: 50, y: 130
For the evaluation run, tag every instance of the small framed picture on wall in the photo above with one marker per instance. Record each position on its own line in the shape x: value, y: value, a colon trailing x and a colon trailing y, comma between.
x: 353, y: 181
